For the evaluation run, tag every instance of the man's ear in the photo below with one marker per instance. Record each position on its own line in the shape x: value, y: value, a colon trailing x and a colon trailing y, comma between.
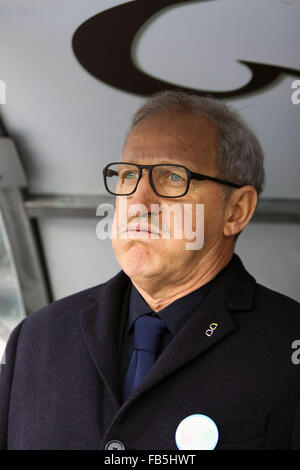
x: 240, y: 207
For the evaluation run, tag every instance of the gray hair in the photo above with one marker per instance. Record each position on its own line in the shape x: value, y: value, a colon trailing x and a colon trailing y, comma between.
x: 240, y: 157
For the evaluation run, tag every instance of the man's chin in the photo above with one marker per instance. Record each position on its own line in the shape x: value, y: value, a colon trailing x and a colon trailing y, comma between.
x: 138, y: 261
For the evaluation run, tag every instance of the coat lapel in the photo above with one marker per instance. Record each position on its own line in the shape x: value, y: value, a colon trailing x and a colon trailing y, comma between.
x: 101, y: 318
x: 232, y: 290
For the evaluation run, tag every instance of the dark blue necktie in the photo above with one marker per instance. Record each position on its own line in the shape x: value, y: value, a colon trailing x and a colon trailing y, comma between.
x: 147, y: 334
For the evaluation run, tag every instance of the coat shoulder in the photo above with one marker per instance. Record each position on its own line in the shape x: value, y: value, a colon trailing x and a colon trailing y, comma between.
x: 277, y: 302
x: 61, y: 310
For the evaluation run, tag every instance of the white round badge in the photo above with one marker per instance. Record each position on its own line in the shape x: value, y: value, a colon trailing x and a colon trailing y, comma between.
x: 197, y: 432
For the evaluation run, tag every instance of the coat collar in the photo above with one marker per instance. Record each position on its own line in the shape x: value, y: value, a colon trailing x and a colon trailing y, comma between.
x: 232, y: 290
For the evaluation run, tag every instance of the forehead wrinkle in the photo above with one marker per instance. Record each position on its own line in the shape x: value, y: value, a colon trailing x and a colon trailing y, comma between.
x: 180, y: 139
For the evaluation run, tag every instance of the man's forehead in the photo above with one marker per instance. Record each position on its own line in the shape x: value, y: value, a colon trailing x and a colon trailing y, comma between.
x: 165, y: 138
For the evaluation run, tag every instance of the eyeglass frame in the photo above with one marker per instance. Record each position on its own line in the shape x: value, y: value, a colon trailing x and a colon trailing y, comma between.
x: 191, y: 176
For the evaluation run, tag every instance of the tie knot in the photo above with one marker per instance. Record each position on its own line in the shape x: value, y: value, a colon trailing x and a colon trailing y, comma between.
x: 147, y: 333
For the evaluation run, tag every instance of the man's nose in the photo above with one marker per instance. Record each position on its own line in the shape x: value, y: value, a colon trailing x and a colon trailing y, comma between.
x: 144, y: 192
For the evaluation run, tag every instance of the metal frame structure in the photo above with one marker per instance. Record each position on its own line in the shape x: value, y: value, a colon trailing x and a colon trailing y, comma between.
x: 20, y: 231
x: 268, y: 210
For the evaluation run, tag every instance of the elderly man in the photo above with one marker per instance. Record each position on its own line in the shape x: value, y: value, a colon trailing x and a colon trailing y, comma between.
x: 182, y: 349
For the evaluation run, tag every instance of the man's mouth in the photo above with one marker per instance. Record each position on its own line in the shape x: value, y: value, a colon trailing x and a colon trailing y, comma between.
x: 141, y: 228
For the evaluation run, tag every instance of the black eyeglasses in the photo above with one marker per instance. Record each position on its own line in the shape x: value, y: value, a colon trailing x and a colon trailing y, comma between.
x: 122, y: 179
